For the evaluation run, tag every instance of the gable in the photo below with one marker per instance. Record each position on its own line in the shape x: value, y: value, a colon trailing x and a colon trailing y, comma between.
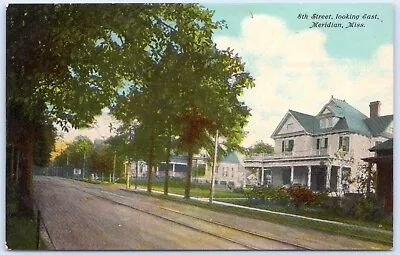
x: 291, y: 125
x: 326, y: 111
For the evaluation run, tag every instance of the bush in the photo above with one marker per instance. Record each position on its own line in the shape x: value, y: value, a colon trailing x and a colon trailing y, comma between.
x: 301, y: 196
x: 238, y: 190
x: 275, y: 195
x: 367, y: 209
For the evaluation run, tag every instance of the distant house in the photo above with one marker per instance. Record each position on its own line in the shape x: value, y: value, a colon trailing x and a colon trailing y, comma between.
x: 177, y: 166
x: 230, y: 171
x: 383, y: 159
x: 321, y: 151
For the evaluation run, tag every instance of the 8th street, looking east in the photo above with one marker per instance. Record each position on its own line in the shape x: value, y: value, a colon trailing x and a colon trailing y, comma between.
x: 347, y: 16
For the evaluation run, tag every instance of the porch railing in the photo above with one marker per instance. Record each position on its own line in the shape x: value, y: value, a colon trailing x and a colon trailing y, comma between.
x: 291, y: 154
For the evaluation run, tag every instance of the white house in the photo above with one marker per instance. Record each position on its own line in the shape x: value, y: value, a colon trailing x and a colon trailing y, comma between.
x: 230, y: 171
x: 322, y: 151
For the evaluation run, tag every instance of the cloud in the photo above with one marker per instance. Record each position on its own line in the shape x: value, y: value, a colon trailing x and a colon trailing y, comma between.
x: 293, y: 70
x: 100, y: 128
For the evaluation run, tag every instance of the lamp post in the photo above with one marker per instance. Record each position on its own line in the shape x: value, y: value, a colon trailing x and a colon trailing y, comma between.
x: 213, y: 169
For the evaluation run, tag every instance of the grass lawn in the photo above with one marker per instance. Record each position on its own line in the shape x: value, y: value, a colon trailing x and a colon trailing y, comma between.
x: 384, y: 238
x: 21, y: 231
x: 321, y: 214
x: 196, y: 190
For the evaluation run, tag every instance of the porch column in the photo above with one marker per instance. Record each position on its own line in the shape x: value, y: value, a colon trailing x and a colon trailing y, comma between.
x: 262, y: 175
x: 328, y: 177
x: 291, y: 174
x: 157, y: 171
x: 173, y: 169
x: 339, y: 180
x: 309, y: 177
x: 262, y: 169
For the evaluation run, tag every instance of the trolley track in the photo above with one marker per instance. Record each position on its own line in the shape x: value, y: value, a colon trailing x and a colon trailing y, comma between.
x: 207, y: 223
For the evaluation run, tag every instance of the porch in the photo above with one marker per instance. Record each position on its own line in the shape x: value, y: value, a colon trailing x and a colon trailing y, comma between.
x: 318, y: 178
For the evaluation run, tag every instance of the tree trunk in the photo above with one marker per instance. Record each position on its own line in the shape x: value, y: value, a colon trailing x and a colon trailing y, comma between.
x: 189, y: 174
x: 166, y: 183
x: 17, y: 167
x: 25, y: 181
x: 137, y: 174
x: 149, y: 175
x: 151, y: 162
x: 10, y: 166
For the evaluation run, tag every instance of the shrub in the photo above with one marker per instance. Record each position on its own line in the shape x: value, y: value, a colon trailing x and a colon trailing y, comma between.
x: 275, y: 195
x: 367, y: 209
x: 238, y: 190
x: 301, y: 196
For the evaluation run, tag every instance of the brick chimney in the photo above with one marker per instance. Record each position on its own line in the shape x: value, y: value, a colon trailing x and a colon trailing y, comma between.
x: 374, y: 109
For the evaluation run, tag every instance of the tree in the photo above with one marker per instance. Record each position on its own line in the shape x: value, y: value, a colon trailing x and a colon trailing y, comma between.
x: 155, y: 100
x: 260, y: 147
x: 78, y: 153
x: 67, y: 61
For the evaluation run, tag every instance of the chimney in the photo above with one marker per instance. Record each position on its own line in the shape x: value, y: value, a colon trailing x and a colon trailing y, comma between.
x: 374, y: 109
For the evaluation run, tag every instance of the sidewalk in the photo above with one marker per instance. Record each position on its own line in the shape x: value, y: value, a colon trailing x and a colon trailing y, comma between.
x: 206, y: 200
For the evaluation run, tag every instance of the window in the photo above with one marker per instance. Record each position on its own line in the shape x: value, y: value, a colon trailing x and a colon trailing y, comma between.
x: 225, y: 171
x: 344, y: 143
x: 327, y: 122
x: 232, y: 171
x: 322, y: 123
x: 289, y: 127
x: 322, y: 143
x: 287, y: 145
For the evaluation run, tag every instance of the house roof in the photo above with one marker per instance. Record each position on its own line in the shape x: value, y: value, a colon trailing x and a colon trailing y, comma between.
x: 387, y: 145
x: 232, y: 157
x: 307, y: 121
x: 350, y: 120
x: 378, y: 125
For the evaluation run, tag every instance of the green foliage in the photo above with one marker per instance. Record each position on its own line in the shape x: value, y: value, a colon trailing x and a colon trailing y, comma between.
x: 259, y: 148
x: 70, y: 61
x: 198, y: 171
x: 276, y: 195
x: 361, y: 179
x: 45, y: 136
x: 367, y: 208
x: 77, y: 154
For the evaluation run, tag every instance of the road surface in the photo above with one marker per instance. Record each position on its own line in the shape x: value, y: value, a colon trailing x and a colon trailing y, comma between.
x: 83, y: 216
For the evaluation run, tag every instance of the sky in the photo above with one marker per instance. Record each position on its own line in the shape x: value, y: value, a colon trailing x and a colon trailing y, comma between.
x: 299, y: 67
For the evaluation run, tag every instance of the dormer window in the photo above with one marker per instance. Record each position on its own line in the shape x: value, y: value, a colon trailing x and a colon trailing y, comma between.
x: 327, y: 122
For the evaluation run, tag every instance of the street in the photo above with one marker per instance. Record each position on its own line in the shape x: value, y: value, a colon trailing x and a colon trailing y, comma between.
x: 83, y: 216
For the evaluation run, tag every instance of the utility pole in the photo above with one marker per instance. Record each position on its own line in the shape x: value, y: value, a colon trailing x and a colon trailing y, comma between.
x: 84, y: 163
x: 136, y: 173
x: 213, y: 168
x: 115, y: 156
